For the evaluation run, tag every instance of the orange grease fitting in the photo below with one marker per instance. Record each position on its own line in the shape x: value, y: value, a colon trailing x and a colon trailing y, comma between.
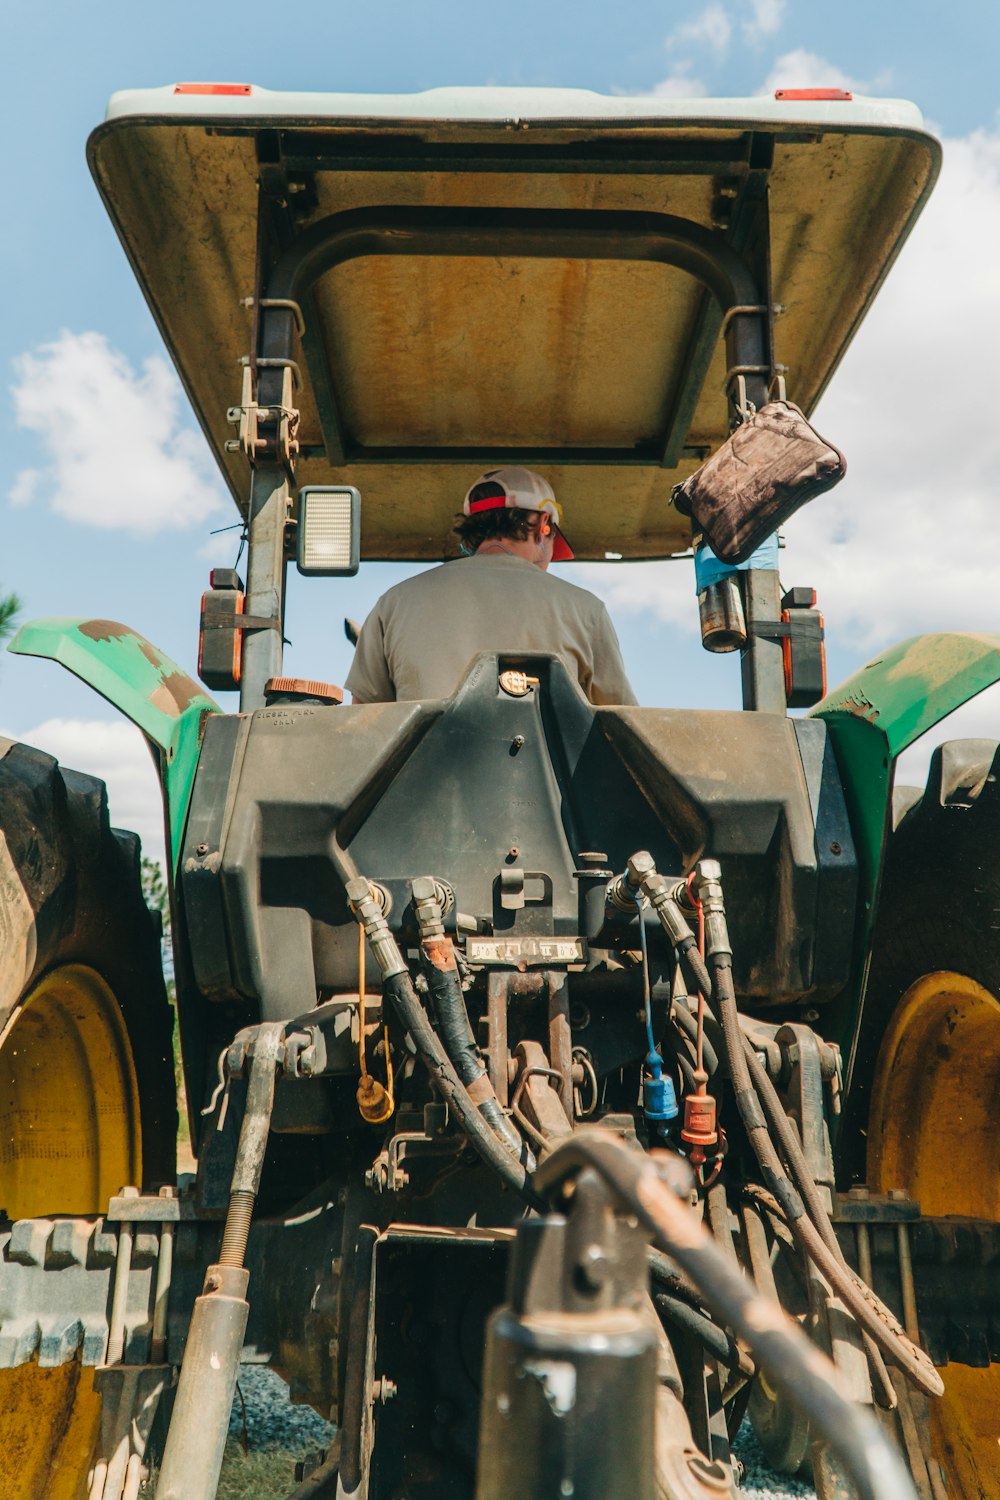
x: 213, y: 88
x: 441, y: 953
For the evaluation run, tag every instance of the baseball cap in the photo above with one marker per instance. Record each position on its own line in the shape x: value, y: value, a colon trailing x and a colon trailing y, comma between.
x: 512, y: 488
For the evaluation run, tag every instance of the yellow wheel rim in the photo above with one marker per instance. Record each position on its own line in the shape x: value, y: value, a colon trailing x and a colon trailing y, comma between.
x: 934, y: 1131
x: 69, y: 1139
x: 69, y: 1106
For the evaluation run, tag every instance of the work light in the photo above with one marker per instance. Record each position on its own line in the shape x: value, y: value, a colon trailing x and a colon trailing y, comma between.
x: 329, y: 540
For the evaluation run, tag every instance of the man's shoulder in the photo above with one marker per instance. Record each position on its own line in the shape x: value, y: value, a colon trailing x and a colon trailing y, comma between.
x: 573, y: 593
x: 426, y: 581
x: 474, y: 573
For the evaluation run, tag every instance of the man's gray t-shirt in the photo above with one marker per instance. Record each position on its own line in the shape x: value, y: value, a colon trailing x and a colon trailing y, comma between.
x: 421, y: 636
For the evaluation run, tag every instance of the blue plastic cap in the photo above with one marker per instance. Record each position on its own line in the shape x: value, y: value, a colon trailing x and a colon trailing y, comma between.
x: 659, y: 1099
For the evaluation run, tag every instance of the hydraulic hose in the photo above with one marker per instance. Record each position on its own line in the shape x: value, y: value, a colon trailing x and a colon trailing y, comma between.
x: 791, y: 1363
x: 397, y: 986
x: 870, y: 1312
x: 688, y: 1320
x: 791, y: 1151
x: 873, y: 1316
x: 689, y: 1025
x: 406, y: 1002
x: 444, y: 985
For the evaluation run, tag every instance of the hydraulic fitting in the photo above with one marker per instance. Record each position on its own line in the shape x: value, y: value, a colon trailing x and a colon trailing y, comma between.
x: 431, y: 899
x: 625, y: 891
x: 370, y: 913
x: 708, y: 885
x: 663, y: 894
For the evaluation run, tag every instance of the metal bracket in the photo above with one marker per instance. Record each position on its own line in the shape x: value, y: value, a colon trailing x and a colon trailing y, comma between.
x: 281, y: 444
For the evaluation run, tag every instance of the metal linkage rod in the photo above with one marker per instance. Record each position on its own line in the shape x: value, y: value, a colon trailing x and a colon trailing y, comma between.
x: 192, y: 1458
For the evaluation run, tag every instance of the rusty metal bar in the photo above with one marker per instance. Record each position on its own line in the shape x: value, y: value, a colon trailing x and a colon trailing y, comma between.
x: 561, y: 1037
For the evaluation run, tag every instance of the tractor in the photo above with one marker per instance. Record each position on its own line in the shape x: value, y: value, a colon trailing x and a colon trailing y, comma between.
x: 567, y: 1082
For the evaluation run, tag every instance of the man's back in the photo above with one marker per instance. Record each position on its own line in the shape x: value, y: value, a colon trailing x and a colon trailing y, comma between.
x: 421, y: 636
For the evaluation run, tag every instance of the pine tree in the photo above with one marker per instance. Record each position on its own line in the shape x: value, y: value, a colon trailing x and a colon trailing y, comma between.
x: 9, y: 606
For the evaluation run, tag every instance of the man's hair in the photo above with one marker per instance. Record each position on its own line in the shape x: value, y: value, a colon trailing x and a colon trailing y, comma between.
x: 501, y: 524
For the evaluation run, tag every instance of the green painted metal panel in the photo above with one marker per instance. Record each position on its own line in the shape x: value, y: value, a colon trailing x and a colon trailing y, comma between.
x: 872, y: 718
x: 150, y: 689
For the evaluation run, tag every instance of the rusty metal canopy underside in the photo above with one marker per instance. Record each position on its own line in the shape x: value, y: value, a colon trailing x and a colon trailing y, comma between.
x: 419, y: 369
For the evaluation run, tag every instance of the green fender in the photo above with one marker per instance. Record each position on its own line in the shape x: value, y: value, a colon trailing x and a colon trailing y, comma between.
x: 162, y: 700
x: 872, y: 718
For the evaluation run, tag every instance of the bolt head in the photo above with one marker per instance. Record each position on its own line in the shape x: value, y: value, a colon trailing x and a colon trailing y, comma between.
x: 594, y: 1268
x: 640, y: 866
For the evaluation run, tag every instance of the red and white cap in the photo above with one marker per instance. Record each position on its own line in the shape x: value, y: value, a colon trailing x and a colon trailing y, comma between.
x: 518, y: 489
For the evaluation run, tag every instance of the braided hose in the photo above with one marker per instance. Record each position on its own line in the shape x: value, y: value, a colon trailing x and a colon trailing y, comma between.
x: 794, y: 1157
x: 399, y: 988
x: 870, y: 1312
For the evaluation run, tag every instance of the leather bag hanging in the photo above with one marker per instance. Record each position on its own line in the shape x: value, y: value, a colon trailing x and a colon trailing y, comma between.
x: 772, y: 464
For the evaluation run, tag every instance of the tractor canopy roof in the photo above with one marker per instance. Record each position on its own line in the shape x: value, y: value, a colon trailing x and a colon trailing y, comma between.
x: 488, y: 275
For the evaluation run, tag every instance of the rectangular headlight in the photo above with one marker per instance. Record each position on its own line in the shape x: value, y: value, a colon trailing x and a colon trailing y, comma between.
x: 329, y: 541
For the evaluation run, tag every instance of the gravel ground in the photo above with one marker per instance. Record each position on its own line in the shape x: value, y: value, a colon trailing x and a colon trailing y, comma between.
x: 278, y: 1433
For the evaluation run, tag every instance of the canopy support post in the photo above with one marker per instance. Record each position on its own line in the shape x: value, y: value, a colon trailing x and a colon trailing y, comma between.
x: 270, y: 501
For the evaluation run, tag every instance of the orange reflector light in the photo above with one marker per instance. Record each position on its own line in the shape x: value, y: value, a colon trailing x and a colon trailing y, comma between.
x: 812, y: 94
x: 213, y: 88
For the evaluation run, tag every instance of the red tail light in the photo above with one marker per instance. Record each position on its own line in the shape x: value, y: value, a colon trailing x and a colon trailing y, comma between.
x: 812, y: 94
x: 213, y: 88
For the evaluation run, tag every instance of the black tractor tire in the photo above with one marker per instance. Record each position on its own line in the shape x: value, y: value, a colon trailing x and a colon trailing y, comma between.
x: 71, y: 899
x: 87, y: 1097
x: 921, y: 1110
x: 939, y: 908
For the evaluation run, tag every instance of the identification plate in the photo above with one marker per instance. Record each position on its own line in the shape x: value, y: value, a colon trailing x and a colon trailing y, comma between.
x: 526, y: 950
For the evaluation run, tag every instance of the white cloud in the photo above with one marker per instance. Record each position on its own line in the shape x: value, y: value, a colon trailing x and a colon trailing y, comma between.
x: 800, y: 69
x: 764, y: 20
x: 119, y: 453
x: 711, y: 28
x: 116, y: 752
x: 680, y: 85
x: 25, y: 487
x: 910, y: 540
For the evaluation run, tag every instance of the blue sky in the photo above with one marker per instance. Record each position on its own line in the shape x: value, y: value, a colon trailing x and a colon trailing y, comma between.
x: 911, y: 544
